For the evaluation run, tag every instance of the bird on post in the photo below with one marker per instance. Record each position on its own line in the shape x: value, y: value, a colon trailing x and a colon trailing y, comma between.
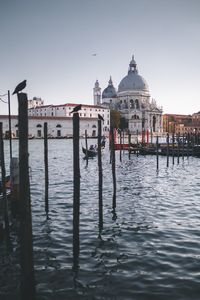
x: 100, y: 117
x: 76, y: 109
x: 19, y: 87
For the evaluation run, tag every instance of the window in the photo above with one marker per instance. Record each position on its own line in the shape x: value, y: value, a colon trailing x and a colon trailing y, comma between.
x: 58, y: 126
x: 132, y: 104
x: 39, y: 125
x: 59, y: 133
x: 39, y: 133
x: 137, y: 103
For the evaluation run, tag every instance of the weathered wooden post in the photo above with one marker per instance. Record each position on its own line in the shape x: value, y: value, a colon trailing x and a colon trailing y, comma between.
x: 120, y: 142
x: 76, y: 192
x: 26, y: 243
x: 188, y: 144
x: 113, y: 168
x: 157, y: 159
x: 129, y: 145
x: 167, y: 150
x: 123, y: 140
x: 86, y: 147
x: 100, y: 178
x: 46, y: 169
x: 173, y: 148
x: 3, y: 175
x: 137, y: 144
x: 178, y: 154
x: 10, y: 131
x: 183, y: 146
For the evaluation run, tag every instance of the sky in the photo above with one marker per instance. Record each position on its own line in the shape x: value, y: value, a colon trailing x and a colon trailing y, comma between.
x: 51, y: 43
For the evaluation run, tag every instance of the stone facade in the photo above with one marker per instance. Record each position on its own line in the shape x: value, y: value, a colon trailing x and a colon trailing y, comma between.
x: 133, y: 101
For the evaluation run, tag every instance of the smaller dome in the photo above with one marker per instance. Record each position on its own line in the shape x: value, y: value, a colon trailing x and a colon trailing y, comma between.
x: 110, y: 91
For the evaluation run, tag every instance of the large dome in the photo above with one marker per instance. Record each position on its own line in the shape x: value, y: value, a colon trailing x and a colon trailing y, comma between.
x: 133, y: 81
x: 110, y: 91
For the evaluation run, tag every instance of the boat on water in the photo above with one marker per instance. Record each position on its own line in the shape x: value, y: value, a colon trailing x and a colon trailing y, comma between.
x: 90, y: 152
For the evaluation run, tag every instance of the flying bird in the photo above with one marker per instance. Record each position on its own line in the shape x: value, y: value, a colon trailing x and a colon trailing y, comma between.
x: 19, y: 87
x: 100, y: 117
x: 76, y: 108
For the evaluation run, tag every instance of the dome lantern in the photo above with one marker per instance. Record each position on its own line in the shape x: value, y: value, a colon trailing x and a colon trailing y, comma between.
x: 133, y: 81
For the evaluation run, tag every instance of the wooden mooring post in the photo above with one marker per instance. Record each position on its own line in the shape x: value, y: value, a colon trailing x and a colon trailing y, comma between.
x: 167, y: 150
x: 183, y: 147
x: 123, y: 140
x: 86, y: 147
x: 157, y: 157
x: 10, y: 132
x: 26, y: 243
x: 46, y: 169
x: 120, y: 142
x: 188, y: 144
x: 113, y: 167
x: 100, y: 178
x: 129, y: 145
x: 178, y: 154
x: 76, y: 191
x: 3, y: 177
x: 173, y: 148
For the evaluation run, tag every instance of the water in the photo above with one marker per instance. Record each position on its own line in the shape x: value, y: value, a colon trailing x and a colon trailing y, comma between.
x: 149, y: 250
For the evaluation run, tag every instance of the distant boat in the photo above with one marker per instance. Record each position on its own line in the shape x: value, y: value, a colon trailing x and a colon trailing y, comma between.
x: 89, y: 152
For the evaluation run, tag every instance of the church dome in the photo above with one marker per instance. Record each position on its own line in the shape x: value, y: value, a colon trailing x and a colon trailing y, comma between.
x: 110, y: 91
x: 133, y: 81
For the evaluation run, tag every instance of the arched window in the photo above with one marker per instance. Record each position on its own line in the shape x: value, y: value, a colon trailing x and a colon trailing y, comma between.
x: 136, y: 103
x: 39, y: 125
x: 58, y: 126
x: 94, y: 126
x: 131, y: 104
x: 125, y: 104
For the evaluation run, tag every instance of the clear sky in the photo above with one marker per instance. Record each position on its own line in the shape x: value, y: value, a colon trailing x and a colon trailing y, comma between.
x: 50, y: 43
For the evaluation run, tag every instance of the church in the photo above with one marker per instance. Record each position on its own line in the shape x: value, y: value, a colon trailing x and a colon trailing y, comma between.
x: 132, y: 100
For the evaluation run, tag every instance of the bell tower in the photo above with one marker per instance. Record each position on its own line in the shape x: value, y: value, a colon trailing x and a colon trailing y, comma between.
x: 97, y: 93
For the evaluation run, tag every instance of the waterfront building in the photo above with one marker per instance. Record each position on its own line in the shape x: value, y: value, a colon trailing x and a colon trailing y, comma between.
x: 175, y: 123
x: 133, y: 101
x: 59, y: 120
x: 87, y: 112
x: 58, y: 127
